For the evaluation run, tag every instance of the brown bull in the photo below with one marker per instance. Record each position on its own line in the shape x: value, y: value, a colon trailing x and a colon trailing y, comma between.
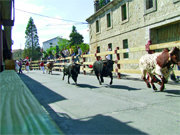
x: 49, y: 67
x: 158, y: 64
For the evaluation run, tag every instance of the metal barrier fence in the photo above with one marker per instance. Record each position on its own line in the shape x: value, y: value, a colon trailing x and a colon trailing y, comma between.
x: 88, y: 59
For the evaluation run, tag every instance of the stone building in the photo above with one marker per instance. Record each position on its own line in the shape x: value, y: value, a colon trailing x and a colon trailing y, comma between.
x: 131, y: 23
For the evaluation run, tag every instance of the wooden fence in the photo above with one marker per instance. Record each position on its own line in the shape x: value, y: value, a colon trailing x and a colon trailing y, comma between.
x: 88, y: 59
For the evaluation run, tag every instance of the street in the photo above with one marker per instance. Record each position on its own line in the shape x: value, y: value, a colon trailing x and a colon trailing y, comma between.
x: 125, y: 107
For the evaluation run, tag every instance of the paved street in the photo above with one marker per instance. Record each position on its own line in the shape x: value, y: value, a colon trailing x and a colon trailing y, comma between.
x: 126, y: 107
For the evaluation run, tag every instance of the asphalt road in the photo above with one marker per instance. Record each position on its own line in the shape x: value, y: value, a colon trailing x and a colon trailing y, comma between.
x: 126, y: 107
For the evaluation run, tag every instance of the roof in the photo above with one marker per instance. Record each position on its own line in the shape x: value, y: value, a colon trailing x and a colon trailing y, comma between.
x: 53, y: 39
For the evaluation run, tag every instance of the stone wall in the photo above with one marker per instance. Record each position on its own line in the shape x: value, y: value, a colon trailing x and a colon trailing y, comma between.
x: 136, y: 28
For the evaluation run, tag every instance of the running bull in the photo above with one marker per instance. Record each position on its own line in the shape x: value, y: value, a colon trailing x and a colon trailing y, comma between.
x: 72, y: 70
x: 103, y: 68
x: 49, y: 66
x: 158, y: 64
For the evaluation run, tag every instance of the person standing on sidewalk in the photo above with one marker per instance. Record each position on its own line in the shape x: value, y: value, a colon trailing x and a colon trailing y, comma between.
x: 20, y: 66
x: 27, y: 65
x: 42, y: 66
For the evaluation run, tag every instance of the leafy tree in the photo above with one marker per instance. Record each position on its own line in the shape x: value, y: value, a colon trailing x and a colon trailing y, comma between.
x: 76, y: 40
x: 57, y: 49
x: 74, y: 29
x: 63, y: 43
x: 45, y: 54
x: 75, y: 37
x: 84, y: 47
x: 32, y: 47
x: 18, y: 54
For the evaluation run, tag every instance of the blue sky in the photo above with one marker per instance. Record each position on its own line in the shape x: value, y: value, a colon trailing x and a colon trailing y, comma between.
x: 48, y: 28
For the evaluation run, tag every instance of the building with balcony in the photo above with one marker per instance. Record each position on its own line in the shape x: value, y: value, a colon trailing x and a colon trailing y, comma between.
x: 131, y: 23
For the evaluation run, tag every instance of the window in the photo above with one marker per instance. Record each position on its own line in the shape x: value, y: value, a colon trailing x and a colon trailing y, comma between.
x: 51, y: 45
x: 98, y: 49
x: 124, y: 12
x: 97, y: 26
x: 150, y: 6
x: 125, y: 46
x: 110, y: 49
x: 108, y: 20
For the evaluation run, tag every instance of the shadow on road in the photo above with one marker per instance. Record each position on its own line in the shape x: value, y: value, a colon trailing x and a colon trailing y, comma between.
x: 54, y: 74
x: 98, y: 124
x: 122, y: 87
x: 177, y: 92
x: 87, y: 86
x: 42, y: 93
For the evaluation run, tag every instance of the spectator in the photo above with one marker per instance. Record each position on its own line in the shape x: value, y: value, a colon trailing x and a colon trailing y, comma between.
x: 17, y: 66
x: 109, y: 56
x: 148, y: 47
x: 27, y: 65
x: 62, y: 53
x: 51, y: 56
x: 42, y: 66
x: 72, y: 53
x: 66, y: 52
x: 79, y: 54
x: 20, y: 66
x: 88, y: 52
x: 57, y: 55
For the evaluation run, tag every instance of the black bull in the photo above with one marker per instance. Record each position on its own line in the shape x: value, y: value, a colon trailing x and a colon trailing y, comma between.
x: 103, y: 69
x: 72, y: 70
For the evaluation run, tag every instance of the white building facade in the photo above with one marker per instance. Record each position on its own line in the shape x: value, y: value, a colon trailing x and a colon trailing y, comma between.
x: 51, y: 43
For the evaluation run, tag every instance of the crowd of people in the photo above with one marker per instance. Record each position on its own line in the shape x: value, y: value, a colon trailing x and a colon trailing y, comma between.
x: 76, y: 58
x: 75, y: 54
x: 71, y: 53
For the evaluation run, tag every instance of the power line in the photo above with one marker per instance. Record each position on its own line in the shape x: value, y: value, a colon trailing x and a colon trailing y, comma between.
x: 77, y: 22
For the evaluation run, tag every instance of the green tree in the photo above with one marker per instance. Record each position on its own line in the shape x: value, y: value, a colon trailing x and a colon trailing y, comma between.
x: 75, y: 37
x: 18, y: 54
x: 32, y: 47
x: 63, y: 43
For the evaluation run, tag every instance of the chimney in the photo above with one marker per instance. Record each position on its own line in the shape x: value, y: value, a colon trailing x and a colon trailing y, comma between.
x: 96, y: 5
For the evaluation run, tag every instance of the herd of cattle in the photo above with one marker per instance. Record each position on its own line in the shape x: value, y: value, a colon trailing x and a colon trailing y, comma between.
x: 151, y: 65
